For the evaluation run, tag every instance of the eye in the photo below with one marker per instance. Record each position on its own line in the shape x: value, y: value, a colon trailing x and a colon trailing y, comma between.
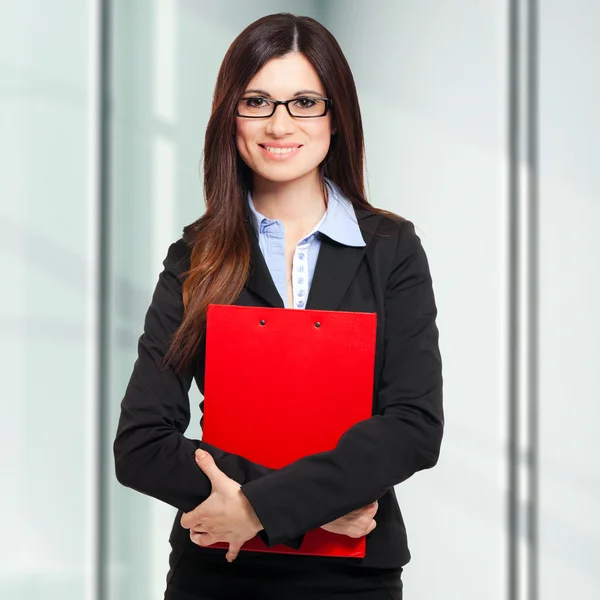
x: 305, y: 102
x: 256, y: 102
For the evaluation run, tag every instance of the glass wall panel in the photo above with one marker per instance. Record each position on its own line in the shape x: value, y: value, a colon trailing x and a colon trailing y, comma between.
x: 569, y: 300
x: 47, y: 301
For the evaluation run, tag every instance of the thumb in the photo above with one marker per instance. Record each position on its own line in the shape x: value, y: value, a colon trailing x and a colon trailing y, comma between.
x: 207, y: 463
x: 234, y: 550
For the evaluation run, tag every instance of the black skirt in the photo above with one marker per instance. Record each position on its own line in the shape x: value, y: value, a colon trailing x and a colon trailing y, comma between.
x: 203, y: 574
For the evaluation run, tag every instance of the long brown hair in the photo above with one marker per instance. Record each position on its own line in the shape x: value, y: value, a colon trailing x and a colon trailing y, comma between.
x: 219, y: 240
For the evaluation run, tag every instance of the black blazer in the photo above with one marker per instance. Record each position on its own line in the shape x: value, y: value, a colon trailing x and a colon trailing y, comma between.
x: 390, y: 276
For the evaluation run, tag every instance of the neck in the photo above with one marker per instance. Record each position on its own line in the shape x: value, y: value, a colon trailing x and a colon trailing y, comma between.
x: 299, y: 204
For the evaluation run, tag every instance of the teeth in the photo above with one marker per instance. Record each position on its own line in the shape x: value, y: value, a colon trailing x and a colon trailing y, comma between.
x: 279, y: 150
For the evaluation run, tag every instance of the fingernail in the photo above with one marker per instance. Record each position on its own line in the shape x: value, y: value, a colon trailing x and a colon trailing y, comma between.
x: 200, y: 453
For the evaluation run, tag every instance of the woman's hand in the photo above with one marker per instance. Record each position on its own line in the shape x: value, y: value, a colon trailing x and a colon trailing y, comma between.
x: 355, y: 524
x: 200, y: 537
x: 225, y: 516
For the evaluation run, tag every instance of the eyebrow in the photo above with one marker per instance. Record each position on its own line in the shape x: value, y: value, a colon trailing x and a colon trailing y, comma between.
x: 267, y: 95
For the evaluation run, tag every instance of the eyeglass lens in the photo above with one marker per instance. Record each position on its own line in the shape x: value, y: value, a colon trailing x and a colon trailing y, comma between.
x: 300, y: 107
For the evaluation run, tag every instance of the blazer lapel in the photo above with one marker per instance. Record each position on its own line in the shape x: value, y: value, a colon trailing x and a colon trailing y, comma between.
x: 337, y: 264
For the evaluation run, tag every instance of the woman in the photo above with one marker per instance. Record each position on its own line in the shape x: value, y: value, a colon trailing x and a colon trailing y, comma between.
x: 287, y: 225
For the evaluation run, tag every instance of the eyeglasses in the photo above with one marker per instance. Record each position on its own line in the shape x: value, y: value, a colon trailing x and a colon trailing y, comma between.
x: 303, y: 107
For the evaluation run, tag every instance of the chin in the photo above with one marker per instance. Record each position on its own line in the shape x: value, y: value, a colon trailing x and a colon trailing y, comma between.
x: 282, y: 174
x: 280, y: 177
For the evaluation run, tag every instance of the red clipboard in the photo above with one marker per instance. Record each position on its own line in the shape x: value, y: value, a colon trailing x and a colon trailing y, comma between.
x: 281, y: 384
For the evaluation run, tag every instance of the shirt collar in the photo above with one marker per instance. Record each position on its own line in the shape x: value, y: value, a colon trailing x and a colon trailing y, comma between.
x: 339, y: 222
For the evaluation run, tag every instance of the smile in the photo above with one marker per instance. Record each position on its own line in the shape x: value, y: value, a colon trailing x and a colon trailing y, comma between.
x: 278, y: 153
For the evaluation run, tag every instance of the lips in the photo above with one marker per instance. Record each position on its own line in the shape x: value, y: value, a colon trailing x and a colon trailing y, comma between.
x: 276, y: 145
x: 279, y: 151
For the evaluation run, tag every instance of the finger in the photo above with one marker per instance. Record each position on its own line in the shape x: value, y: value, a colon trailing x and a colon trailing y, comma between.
x: 202, y: 539
x: 206, y: 539
x: 198, y: 529
x: 367, y: 509
x: 196, y: 538
x: 207, y: 463
x: 371, y: 526
x: 332, y: 527
x: 194, y: 517
x: 186, y: 520
x: 234, y: 550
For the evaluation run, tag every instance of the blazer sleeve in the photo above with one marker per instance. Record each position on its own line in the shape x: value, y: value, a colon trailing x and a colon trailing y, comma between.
x: 151, y: 453
x: 386, y: 449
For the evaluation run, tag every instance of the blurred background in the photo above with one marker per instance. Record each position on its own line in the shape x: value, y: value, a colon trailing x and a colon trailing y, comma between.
x: 482, y: 126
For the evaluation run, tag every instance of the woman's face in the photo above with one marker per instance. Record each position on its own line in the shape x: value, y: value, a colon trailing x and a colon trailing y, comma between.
x: 282, y: 79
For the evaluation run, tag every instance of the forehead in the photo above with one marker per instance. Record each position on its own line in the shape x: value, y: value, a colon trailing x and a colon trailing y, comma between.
x: 287, y: 75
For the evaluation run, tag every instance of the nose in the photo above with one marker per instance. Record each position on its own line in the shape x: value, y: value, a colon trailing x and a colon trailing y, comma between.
x: 280, y: 123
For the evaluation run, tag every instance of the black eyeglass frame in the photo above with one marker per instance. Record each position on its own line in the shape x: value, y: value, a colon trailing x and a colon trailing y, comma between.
x: 276, y: 103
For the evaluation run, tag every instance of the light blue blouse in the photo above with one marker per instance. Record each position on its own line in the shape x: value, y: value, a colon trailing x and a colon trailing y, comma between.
x: 339, y: 224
